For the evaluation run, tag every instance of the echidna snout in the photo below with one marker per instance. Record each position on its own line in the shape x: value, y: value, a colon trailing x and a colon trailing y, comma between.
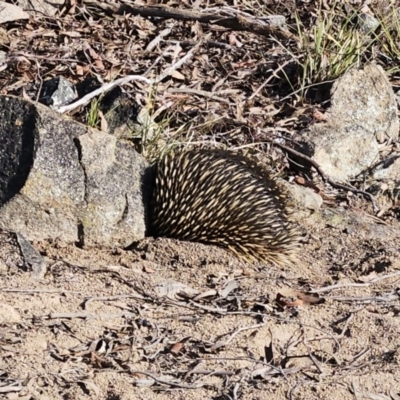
x: 222, y: 198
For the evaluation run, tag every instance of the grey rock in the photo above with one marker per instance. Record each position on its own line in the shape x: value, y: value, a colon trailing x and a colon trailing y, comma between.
x: 114, y: 173
x: 60, y: 181
x: 11, y: 259
x: 365, y: 97
x: 384, y: 183
x: 57, y: 92
x: 388, y: 170
x: 306, y: 201
x: 368, y: 23
x: 342, y: 151
x: 32, y: 257
x: 42, y: 182
x: 363, y: 114
x: 121, y: 112
x: 45, y: 8
x: 11, y: 12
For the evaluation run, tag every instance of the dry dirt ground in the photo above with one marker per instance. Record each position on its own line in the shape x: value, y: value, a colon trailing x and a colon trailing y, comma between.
x: 100, y: 326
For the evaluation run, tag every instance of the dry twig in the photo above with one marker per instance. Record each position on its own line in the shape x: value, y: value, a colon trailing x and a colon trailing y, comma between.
x: 122, y: 81
x: 72, y: 315
x: 325, y: 177
x: 350, y: 284
x: 235, y: 20
x: 166, y: 382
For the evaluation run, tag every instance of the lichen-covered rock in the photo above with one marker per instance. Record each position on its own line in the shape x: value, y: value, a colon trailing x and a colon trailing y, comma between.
x: 363, y: 114
x: 305, y: 201
x: 365, y: 97
x: 113, y: 210
x: 60, y: 181
x: 342, y: 151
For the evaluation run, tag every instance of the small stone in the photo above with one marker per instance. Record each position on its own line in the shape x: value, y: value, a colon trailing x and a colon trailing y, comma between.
x: 368, y: 23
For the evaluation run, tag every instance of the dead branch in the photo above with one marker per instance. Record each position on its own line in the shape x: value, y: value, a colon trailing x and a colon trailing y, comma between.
x: 273, y: 75
x: 33, y: 291
x: 343, y: 285
x: 11, y: 388
x: 202, y: 93
x: 88, y: 315
x: 359, y: 356
x: 221, y: 311
x: 232, y: 20
x: 232, y: 336
x: 166, y: 382
x: 111, y: 298
x: 369, y: 299
x: 207, y: 372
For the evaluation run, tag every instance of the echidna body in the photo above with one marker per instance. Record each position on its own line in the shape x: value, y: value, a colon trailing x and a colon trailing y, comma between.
x: 222, y: 198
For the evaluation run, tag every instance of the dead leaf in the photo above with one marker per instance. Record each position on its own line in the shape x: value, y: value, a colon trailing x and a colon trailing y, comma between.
x: 79, y: 70
x: 11, y: 388
x: 229, y: 287
x: 234, y: 41
x: 22, y: 59
x: 176, y: 348
x: 301, y: 181
x: 99, y: 65
x: 293, y: 298
x: 145, y: 382
x: 148, y: 270
x: 197, y: 29
x: 49, y: 33
x: 90, y: 385
x: 112, y: 73
x: 263, y: 372
x: 196, y: 75
x: 257, y: 110
x: 368, y: 278
x: 157, y: 40
x: 178, y: 75
x: 319, y: 116
x: 269, y: 353
x: 207, y: 294
x: 394, y: 395
x: 143, y: 24
x: 103, y: 122
x: 171, y: 288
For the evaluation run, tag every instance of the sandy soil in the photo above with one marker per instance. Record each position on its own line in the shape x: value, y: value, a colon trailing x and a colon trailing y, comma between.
x: 99, y: 325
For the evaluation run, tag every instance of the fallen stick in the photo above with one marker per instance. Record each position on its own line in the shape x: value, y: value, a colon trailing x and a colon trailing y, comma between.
x: 233, y: 19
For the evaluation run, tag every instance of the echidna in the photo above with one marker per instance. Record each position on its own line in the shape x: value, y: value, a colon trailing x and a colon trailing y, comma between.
x: 222, y: 198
